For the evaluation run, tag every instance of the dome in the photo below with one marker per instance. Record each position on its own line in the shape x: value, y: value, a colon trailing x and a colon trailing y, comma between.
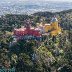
x: 54, y: 19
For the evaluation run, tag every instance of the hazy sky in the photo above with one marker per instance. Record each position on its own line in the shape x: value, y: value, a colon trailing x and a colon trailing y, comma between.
x: 48, y: 0
x: 38, y: 0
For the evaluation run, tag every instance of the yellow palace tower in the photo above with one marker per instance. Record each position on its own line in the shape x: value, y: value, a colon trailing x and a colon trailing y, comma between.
x: 56, y: 29
x: 53, y: 27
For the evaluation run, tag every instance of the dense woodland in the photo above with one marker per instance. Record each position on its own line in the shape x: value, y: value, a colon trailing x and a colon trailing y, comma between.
x: 52, y: 54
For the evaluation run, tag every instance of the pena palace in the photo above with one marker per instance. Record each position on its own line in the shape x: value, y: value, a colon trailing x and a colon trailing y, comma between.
x: 29, y: 32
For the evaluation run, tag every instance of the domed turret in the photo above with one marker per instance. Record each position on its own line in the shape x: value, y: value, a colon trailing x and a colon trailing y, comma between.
x: 54, y: 19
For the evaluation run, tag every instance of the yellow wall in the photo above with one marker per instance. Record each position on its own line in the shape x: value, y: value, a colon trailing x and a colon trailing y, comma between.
x: 54, y: 25
x: 55, y: 29
x: 56, y: 32
x: 47, y: 28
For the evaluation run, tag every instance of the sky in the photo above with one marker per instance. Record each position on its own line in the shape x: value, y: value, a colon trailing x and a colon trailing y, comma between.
x: 37, y: 0
x: 48, y: 0
x: 51, y: 0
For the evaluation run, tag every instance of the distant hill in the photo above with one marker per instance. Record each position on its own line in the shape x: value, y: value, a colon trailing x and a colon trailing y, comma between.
x: 30, y: 7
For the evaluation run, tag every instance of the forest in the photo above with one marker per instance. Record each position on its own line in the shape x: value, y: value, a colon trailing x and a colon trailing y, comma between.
x: 52, y: 54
